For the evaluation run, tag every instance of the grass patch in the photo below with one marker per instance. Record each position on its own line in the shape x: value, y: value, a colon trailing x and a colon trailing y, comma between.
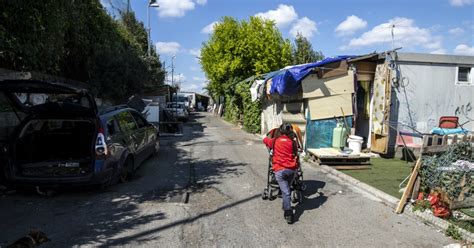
x: 385, y: 174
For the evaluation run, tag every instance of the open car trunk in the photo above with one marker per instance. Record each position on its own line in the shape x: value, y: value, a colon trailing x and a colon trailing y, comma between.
x: 55, y: 147
x: 54, y: 135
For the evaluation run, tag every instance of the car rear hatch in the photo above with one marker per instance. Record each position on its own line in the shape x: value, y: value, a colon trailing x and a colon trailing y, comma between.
x: 55, y: 133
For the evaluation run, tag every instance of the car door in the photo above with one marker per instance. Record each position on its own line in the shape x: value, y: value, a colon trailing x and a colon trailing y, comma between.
x: 128, y: 129
x: 141, y: 135
x: 114, y: 142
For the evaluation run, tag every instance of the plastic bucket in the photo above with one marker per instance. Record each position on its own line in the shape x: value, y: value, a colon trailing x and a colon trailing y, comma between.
x: 355, y: 143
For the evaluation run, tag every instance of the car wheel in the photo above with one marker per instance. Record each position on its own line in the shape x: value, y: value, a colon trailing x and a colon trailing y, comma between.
x: 126, y: 171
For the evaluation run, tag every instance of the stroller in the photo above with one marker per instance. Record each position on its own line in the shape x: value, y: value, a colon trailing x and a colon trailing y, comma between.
x: 297, y: 185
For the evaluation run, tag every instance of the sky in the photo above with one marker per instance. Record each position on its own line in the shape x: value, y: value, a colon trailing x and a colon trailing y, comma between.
x: 335, y: 27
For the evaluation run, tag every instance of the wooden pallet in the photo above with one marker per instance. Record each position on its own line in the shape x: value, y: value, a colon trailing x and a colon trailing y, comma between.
x: 333, y: 156
x: 437, y: 143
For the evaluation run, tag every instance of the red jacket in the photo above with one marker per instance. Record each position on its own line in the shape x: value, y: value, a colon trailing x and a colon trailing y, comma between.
x: 283, y: 153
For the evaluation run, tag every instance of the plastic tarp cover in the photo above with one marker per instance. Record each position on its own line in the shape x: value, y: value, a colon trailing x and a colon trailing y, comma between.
x: 319, y: 132
x: 286, y: 82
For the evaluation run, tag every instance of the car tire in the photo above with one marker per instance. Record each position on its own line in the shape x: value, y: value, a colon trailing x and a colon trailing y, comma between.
x: 156, y: 147
x: 125, y: 172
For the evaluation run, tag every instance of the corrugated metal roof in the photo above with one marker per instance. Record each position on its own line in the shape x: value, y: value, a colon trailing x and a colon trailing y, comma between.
x: 435, y: 58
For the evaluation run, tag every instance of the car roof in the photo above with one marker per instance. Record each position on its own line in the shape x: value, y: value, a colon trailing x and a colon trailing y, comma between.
x: 114, y: 110
x: 39, y: 86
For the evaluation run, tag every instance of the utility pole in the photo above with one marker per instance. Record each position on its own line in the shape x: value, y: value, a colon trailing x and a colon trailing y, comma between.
x: 151, y: 4
x: 172, y: 83
x: 393, y: 38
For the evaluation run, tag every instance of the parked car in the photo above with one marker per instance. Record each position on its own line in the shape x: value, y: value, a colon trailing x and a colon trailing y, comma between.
x: 178, y: 110
x: 61, y: 138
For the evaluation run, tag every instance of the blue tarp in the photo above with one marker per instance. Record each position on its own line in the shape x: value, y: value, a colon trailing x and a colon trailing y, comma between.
x: 286, y: 82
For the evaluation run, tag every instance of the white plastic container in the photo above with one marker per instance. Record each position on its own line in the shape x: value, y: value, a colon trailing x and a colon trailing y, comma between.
x: 355, y: 143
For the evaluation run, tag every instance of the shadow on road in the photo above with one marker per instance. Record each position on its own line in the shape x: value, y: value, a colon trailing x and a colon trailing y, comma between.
x: 312, y: 198
x: 138, y: 236
x: 93, y: 217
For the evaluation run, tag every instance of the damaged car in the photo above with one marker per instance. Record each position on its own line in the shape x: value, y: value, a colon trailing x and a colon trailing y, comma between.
x: 52, y: 134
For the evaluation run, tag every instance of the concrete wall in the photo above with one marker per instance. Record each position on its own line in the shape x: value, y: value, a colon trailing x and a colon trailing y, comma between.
x: 425, y: 92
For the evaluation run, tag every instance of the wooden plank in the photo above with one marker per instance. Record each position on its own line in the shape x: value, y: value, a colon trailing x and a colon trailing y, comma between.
x: 332, y: 69
x: 351, y: 167
x: 316, y: 87
x: 409, y: 187
x: 328, y: 107
x: 335, y: 153
x: 379, y: 143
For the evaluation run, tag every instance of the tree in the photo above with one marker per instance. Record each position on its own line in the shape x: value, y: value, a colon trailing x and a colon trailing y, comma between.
x: 302, y: 51
x: 235, y: 51
x: 242, y: 49
x: 78, y: 40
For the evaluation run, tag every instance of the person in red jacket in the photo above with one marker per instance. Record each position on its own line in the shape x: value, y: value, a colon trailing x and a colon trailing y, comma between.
x: 284, y: 163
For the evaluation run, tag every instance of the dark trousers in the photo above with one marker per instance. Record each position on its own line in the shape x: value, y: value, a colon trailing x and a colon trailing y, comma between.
x: 285, y: 178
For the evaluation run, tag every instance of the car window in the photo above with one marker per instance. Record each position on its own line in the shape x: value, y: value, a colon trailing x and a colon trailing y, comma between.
x: 140, y: 121
x: 126, y: 121
x: 112, y: 127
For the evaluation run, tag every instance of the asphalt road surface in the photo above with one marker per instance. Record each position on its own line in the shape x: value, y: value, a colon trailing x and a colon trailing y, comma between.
x: 203, y: 190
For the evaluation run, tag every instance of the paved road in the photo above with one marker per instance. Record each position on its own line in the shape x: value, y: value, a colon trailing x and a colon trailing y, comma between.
x: 220, y: 172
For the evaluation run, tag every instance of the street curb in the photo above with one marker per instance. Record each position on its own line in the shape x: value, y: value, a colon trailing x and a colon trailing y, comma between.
x: 392, y: 201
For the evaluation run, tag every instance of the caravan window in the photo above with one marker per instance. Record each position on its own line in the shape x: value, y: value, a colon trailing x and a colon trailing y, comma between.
x: 464, y: 76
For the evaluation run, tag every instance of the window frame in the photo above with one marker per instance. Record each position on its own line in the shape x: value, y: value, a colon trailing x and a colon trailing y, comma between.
x: 469, y: 81
x: 136, y: 115
x: 125, y: 129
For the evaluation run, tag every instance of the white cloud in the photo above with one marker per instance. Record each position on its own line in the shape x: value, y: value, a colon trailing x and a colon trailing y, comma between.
x: 178, y: 78
x: 456, y: 31
x: 174, y: 8
x: 195, y: 52
x: 194, y: 87
x: 350, y: 25
x: 201, y: 2
x: 209, y: 28
x: 283, y: 15
x: 305, y: 26
x: 406, y: 34
x: 170, y: 48
x: 459, y: 3
x: 439, y: 51
x: 463, y: 49
x: 199, y: 79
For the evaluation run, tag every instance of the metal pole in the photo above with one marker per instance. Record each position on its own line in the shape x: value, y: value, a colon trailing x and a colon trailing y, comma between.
x: 172, y: 83
x: 149, y: 28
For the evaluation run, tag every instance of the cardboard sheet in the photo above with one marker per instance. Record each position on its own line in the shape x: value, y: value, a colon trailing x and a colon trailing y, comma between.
x: 315, y: 87
x: 328, y: 107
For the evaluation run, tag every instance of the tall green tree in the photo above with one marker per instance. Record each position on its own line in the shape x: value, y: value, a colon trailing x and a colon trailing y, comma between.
x: 302, y: 51
x: 240, y: 49
x: 78, y: 40
x: 235, y: 51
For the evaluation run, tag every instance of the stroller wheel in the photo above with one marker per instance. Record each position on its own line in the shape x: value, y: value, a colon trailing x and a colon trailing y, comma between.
x: 265, y: 194
x: 294, y: 197
x: 300, y: 196
x: 303, y: 187
x: 271, y: 197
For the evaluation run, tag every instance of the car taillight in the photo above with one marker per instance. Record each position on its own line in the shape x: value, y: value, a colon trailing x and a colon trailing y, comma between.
x: 101, y: 150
